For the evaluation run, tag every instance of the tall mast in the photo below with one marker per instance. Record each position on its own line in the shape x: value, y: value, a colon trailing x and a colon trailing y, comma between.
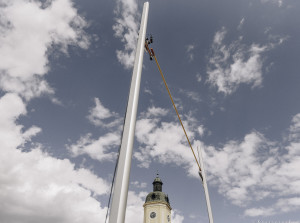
x: 203, y: 178
x: 120, y: 191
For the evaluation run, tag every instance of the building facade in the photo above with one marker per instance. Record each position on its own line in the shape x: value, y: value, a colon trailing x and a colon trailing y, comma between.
x: 157, y: 207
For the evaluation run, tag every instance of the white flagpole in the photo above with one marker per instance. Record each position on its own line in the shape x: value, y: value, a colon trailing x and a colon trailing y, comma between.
x: 205, y: 188
x: 120, y: 191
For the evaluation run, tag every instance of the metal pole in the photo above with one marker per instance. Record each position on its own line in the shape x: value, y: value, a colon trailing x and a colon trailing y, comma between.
x: 205, y: 189
x: 120, y: 192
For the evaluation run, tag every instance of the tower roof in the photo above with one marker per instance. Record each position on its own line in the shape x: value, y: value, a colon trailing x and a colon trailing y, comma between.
x: 157, y: 195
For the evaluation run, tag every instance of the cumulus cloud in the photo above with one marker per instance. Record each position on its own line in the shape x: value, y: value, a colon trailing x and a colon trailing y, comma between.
x: 190, y: 51
x: 249, y: 170
x: 153, y: 112
x: 135, y: 211
x: 164, y: 141
x: 295, y: 128
x: 176, y: 217
x: 33, y: 87
x: 283, y: 205
x: 255, y: 212
x: 257, y: 168
x: 235, y: 64
x: 101, y: 116
x: 239, y: 171
x: 201, y: 130
x: 278, y: 2
x: 99, y: 149
x: 36, y: 187
x: 11, y: 106
x: 138, y: 184
x: 193, y: 95
x: 29, y: 29
x: 198, y: 77
x: 246, y: 66
x: 126, y: 29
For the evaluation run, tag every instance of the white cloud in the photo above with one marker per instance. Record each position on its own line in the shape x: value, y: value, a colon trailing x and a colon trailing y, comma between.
x: 246, y: 67
x: 235, y: 64
x: 176, y: 217
x: 283, y: 205
x: 278, y: 2
x: 238, y: 170
x: 219, y: 36
x: 248, y: 170
x: 256, y: 169
x: 126, y: 29
x: 29, y: 88
x: 288, y: 204
x: 189, y: 50
x: 148, y: 91
x: 138, y: 184
x: 153, y: 112
x: 11, y: 106
x: 255, y: 212
x: 28, y: 30
x: 28, y: 134
x: 134, y: 210
x: 240, y: 26
x: 195, y: 96
x: 97, y: 149
x: 201, y: 130
x: 199, y: 77
x: 36, y: 187
x: 295, y: 128
x: 163, y: 141
x: 99, y: 111
x: 99, y: 116
x: 100, y: 149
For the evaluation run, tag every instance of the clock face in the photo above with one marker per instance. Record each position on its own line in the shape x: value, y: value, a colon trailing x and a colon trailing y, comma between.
x: 152, y: 215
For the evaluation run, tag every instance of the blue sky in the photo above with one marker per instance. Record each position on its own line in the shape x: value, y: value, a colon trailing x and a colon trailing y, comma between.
x: 232, y: 67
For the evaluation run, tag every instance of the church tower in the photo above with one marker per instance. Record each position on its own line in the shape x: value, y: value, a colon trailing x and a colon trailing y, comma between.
x: 157, y: 207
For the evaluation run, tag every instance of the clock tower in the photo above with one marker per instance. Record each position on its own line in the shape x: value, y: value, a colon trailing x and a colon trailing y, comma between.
x: 157, y: 207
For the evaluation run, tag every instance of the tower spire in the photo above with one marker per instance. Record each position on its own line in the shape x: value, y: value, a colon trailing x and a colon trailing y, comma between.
x: 157, y: 184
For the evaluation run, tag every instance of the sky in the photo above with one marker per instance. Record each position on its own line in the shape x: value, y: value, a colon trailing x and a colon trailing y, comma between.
x: 233, y: 70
